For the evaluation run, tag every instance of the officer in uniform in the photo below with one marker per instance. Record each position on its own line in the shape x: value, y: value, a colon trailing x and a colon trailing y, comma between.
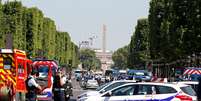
x: 32, y: 87
x: 58, y: 85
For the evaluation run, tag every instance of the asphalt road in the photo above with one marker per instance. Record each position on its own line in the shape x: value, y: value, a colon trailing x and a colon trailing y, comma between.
x: 77, y: 90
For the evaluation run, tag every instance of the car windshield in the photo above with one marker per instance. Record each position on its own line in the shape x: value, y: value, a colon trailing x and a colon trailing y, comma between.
x: 43, y: 71
x: 102, y: 86
x: 188, y: 90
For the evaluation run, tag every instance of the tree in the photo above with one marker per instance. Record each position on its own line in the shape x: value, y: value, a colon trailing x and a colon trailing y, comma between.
x: 139, y: 45
x: 49, y: 31
x: 2, y: 34
x: 12, y: 21
x: 156, y: 14
x: 120, y: 58
x: 174, y: 29
x: 88, y: 59
x: 34, y: 30
x: 27, y: 29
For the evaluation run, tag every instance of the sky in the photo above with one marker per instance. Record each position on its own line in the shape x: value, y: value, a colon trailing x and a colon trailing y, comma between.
x: 83, y: 19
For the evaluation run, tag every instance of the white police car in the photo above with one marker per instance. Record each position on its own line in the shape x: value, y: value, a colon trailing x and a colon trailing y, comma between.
x: 105, y: 87
x: 146, y: 91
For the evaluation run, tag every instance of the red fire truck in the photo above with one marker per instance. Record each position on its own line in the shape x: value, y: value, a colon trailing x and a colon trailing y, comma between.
x: 14, y: 69
x: 46, y: 71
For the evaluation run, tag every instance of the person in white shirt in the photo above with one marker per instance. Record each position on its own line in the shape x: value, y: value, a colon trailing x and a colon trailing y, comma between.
x: 32, y: 87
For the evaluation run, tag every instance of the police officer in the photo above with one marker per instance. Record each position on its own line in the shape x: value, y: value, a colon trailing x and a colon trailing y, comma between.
x: 59, y: 81
x: 32, y: 87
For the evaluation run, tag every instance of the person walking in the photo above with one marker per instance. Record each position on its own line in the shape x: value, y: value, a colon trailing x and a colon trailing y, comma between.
x: 32, y: 87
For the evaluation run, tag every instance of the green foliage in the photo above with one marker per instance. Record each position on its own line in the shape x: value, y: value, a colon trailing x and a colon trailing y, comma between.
x: 49, y: 34
x: 27, y: 29
x: 89, y: 60
x: 139, y: 45
x: 120, y: 58
x: 2, y: 36
x: 156, y: 13
x: 174, y: 29
x: 12, y: 21
x: 34, y: 30
x: 75, y: 55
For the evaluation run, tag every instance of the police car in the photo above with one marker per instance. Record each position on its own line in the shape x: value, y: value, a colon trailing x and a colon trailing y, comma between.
x: 105, y: 87
x: 146, y: 91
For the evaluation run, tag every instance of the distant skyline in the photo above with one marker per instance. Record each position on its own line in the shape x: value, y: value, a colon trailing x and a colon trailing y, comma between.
x: 85, y: 18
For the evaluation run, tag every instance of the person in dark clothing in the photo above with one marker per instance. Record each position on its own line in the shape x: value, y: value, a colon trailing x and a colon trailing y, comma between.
x: 68, y: 90
x: 58, y: 85
x: 32, y: 87
x: 199, y: 89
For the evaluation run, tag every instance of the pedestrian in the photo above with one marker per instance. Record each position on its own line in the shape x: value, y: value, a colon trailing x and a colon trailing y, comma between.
x: 58, y: 85
x: 32, y: 87
x: 199, y: 89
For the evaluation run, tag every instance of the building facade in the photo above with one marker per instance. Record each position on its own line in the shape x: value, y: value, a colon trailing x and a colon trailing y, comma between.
x: 105, y: 58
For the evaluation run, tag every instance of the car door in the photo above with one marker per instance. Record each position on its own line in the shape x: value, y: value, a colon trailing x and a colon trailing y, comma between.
x: 119, y: 94
x: 164, y: 93
x: 142, y: 93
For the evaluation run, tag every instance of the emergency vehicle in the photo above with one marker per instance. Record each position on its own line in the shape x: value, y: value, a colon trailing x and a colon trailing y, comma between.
x: 191, y: 73
x: 145, y: 91
x: 46, y: 71
x: 14, y: 69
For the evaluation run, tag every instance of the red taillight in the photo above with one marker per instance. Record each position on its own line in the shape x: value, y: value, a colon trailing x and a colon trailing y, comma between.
x: 184, y: 97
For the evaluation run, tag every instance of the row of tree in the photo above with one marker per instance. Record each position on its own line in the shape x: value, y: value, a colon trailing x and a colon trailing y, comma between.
x: 175, y: 29
x: 27, y: 29
x: 170, y: 35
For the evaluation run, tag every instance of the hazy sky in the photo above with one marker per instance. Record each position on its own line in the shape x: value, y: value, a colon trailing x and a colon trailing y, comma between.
x: 85, y: 18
